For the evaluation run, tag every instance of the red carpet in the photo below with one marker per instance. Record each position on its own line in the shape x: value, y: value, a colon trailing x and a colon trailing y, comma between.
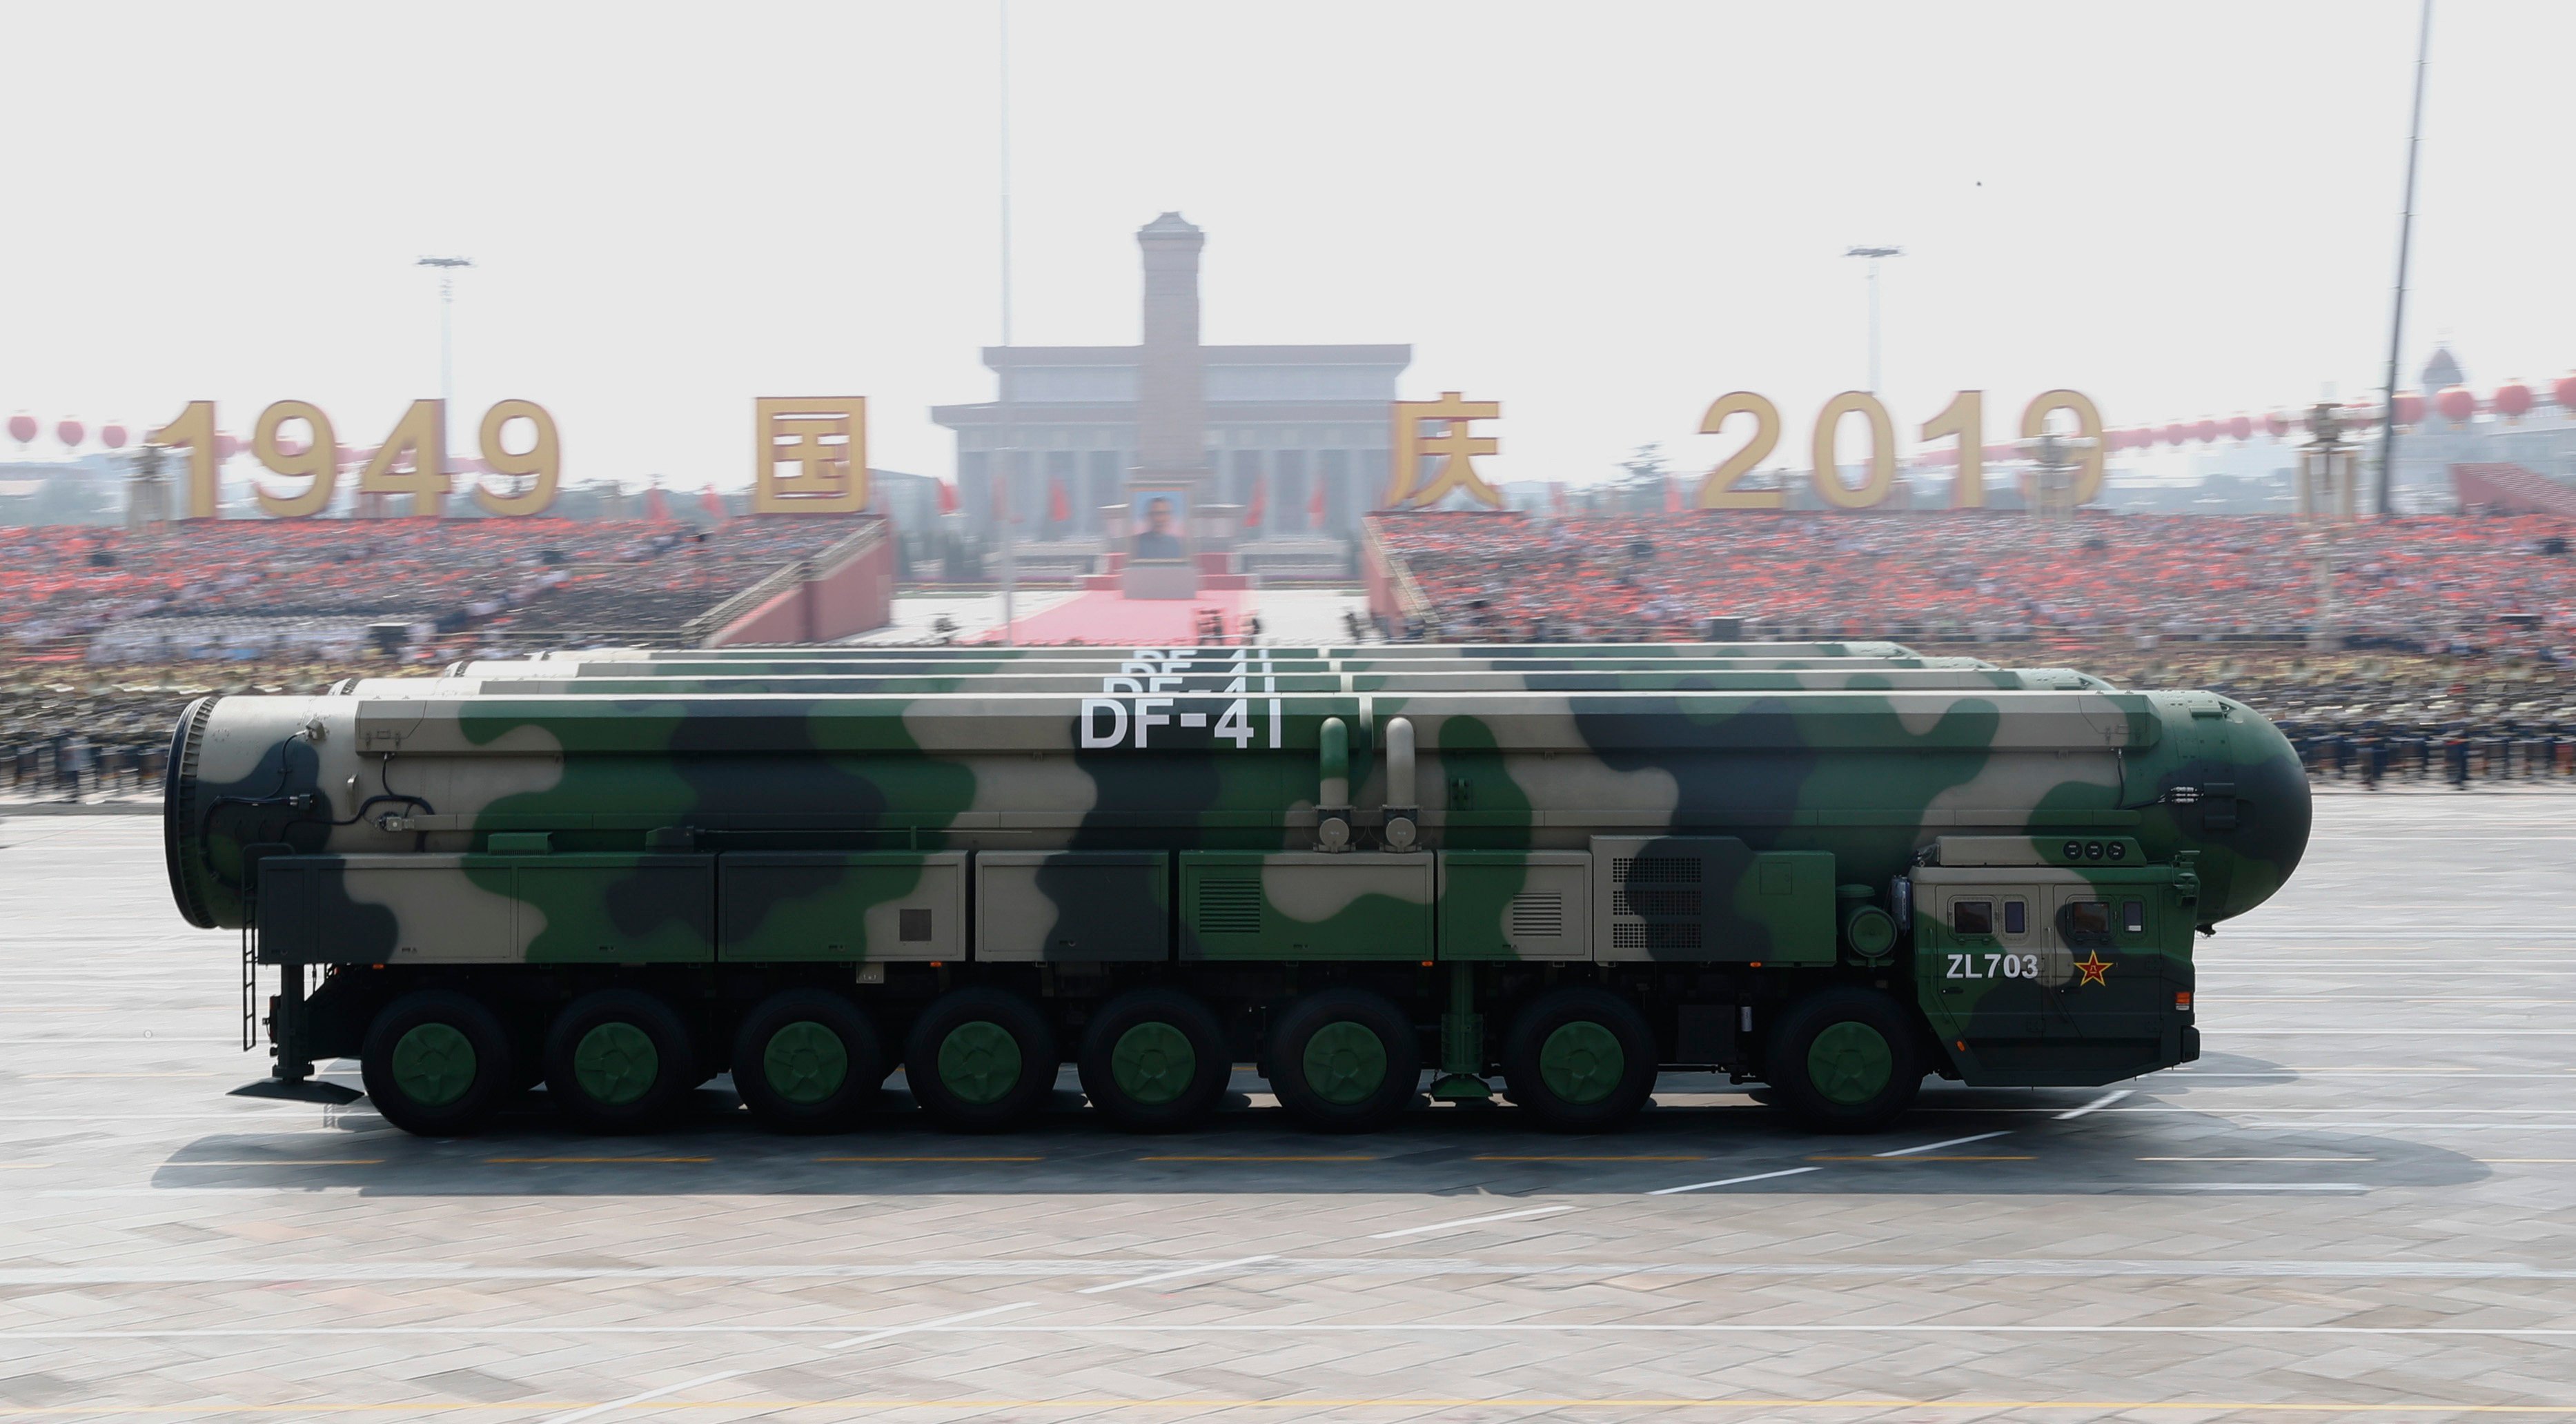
x: 1103, y: 616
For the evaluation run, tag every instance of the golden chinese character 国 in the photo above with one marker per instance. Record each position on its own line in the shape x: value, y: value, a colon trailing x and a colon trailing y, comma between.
x: 826, y: 439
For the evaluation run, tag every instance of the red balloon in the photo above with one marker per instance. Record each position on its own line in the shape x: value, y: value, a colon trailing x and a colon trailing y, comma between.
x: 70, y: 432
x: 2278, y: 422
x: 2513, y: 400
x: 2205, y: 431
x: 22, y: 428
x: 2410, y: 408
x: 226, y: 446
x: 2456, y: 404
x: 2177, y: 433
x: 2565, y: 390
x: 2240, y: 427
x: 112, y: 435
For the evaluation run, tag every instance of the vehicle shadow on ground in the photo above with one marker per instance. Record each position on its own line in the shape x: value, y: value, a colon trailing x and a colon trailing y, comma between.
x: 1699, y: 1134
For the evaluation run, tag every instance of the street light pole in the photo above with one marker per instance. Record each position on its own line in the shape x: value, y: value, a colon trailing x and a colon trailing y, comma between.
x: 446, y: 344
x: 2405, y: 241
x: 1873, y: 254
x: 1006, y: 458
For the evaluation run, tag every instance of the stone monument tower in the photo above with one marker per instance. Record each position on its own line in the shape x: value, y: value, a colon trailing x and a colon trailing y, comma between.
x: 1171, y: 384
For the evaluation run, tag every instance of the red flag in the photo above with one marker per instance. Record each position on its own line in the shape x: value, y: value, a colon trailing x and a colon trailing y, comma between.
x: 1315, y: 507
x: 713, y: 503
x: 657, y: 507
x: 1260, y: 503
x: 1672, y: 497
x: 1059, y: 508
x: 947, y: 497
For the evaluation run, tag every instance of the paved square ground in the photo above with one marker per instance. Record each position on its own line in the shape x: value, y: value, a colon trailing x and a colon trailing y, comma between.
x: 2361, y: 1202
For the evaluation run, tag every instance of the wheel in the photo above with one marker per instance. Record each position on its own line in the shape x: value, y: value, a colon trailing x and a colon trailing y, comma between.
x: 980, y: 1059
x: 1155, y: 1060
x: 617, y: 1060
x: 806, y: 1060
x: 437, y: 1063
x: 1845, y: 1060
x: 1579, y: 1059
x: 1344, y: 1060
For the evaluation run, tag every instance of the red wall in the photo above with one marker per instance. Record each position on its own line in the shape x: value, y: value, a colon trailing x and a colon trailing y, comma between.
x: 835, y: 601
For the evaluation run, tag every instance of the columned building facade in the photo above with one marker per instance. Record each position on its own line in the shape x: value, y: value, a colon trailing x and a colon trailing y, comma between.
x: 1273, y: 425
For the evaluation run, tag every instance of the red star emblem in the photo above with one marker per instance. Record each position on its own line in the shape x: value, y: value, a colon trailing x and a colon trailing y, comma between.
x: 2092, y: 966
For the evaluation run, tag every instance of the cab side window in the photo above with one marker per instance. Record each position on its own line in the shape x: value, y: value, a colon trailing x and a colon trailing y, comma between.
x: 2133, y: 916
x: 2016, y: 917
x: 1972, y: 917
x: 2085, y: 924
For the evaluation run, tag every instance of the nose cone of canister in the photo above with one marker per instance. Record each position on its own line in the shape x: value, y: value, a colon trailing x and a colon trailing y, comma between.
x: 2274, y: 813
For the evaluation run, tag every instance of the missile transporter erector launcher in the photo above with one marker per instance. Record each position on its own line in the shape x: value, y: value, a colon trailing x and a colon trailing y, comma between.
x: 1833, y: 890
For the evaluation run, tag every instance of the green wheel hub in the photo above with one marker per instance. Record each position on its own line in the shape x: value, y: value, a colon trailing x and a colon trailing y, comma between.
x: 1153, y: 1063
x: 433, y: 1064
x: 1582, y: 1063
x: 979, y: 1062
x: 1345, y: 1063
x: 805, y: 1062
x: 616, y: 1063
x: 1850, y: 1063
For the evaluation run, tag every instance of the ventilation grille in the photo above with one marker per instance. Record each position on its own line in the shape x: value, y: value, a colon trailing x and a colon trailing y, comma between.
x: 1229, y: 907
x: 1654, y: 870
x: 1654, y: 937
x: 1685, y: 903
x: 1538, y: 914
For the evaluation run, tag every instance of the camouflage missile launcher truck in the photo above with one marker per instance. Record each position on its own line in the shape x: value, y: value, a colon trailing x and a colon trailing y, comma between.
x: 1834, y: 892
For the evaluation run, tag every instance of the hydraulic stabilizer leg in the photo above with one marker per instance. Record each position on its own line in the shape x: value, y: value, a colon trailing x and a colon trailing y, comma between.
x: 1462, y: 1043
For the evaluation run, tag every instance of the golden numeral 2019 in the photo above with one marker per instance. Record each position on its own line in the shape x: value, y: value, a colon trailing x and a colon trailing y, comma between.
x: 1963, y: 419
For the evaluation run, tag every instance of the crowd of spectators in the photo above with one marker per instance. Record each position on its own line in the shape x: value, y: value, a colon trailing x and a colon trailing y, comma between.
x: 2495, y: 584
x: 2455, y: 660
x: 61, y: 585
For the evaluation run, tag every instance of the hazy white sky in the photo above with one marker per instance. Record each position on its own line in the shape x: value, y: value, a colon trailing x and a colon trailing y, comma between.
x: 1602, y: 216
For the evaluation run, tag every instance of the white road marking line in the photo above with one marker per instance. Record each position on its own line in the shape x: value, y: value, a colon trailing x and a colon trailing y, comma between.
x: 1728, y: 1182
x: 1936, y: 1146
x: 2415, y: 1126
x: 2253, y: 1186
x: 1467, y: 1221
x: 1509, y: 1327
x: 613, y: 1405
x: 2094, y: 1106
x: 1162, y: 1276
x: 943, y: 1322
x: 317, y: 1273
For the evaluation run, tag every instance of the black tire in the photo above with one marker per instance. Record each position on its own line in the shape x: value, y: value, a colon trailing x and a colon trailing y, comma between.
x: 1843, y: 1086
x: 958, y: 1059
x: 806, y: 1060
x: 1579, y: 1059
x: 618, y: 1060
x: 1155, y: 1060
x: 437, y: 1063
x: 1350, y: 1086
